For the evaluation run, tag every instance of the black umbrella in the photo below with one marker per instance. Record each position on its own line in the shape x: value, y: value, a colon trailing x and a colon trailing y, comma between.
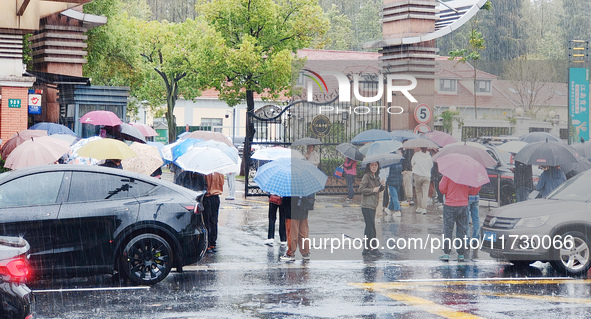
x: 548, y: 153
x: 349, y: 150
x: 584, y: 149
x: 539, y: 137
x: 307, y: 141
x: 572, y: 169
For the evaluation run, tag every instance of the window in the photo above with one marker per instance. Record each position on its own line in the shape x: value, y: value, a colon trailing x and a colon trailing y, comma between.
x: 89, y: 186
x: 483, y: 86
x: 213, y: 122
x: 447, y: 85
x: 35, y: 189
x: 564, y: 133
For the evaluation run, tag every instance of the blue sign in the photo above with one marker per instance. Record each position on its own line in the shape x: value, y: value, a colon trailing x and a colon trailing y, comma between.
x: 578, y: 104
x: 34, y: 109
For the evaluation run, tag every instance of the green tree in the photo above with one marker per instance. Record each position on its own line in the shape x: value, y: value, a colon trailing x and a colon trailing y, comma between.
x: 339, y: 34
x: 472, y: 53
x: 173, y: 62
x: 259, y: 39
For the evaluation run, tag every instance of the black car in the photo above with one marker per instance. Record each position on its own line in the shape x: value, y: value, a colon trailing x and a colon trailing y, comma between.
x: 88, y: 219
x: 503, y: 171
x: 16, y: 299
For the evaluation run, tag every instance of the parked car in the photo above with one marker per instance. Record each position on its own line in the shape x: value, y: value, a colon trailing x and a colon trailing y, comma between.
x: 89, y: 219
x: 16, y: 299
x: 503, y: 171
x: 556, y: 229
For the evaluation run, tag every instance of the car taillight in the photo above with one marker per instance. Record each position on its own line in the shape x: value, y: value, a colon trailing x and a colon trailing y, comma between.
x: 190, y: 208
x: 16, y: 269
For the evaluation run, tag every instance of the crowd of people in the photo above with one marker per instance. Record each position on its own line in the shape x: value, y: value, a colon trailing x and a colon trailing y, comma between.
x: 409, y: 182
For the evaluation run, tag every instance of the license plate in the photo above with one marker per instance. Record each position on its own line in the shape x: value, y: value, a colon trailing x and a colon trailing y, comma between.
x: 489, y: 235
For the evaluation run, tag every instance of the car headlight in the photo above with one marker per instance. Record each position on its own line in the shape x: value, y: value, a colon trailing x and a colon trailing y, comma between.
x: 532, y: 222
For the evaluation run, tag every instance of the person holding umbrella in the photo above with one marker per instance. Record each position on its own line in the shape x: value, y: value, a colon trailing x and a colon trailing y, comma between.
x: 523, y: 181
x: 550, y: 178
x: 462, y: 176
x: 370, y: 188
x: 113, y: 163
x: 422, y: 163
x: 350, y: 170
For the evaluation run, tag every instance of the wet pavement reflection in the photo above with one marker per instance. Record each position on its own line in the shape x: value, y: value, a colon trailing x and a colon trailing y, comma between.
x: 245, y: 279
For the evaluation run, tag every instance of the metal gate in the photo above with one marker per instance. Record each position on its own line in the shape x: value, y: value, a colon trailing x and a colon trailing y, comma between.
x: 332, y: 122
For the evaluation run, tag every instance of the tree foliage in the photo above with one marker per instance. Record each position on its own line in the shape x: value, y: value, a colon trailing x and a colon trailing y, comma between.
x: 258, y: 39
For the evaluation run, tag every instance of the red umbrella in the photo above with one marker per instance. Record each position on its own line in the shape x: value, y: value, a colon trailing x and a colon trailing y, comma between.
x: 18, y: 139
x: 462, y: 169
x: 146, y: 130
x: 106, y: 118
x: 37, y: 151
x: 207, y: 136
x: 441, y: 138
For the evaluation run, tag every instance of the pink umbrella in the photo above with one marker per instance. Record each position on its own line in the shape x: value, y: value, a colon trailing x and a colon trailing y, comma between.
x: 106, y: 118
x: 477, y: 153
x: 37, y: 151
x: 146, y: 130
x: 208, y: 135
x: 462, y: 169
x: 18, y: 139
x: 441, y: 138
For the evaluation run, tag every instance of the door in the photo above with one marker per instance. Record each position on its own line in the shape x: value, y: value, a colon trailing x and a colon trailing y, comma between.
x: 98, y: 206
x: 29, y: 207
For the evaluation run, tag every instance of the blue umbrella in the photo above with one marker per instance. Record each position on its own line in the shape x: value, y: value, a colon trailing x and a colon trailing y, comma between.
x: 290, y: 177
x: 52, y: 128
x: 401, y: 135
x: 379, y: 147
x: 385, y: 160
x: 182, y: 147
x: 371, y: 136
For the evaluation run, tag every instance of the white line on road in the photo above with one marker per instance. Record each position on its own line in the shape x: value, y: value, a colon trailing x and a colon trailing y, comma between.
x: 91, y: 289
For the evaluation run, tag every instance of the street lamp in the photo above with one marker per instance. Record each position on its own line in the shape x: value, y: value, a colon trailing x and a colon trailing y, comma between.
x: 453, y: 108
x: 519, y: 111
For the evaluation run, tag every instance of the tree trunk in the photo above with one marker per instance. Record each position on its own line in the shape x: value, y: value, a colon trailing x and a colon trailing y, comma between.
x: 249, y: 136
x: 170, y: 103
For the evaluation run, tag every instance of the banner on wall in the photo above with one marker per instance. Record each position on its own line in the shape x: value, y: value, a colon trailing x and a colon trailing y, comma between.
x: 578, y: 104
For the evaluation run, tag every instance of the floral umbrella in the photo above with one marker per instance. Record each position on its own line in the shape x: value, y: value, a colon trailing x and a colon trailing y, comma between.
x: 147, y: 161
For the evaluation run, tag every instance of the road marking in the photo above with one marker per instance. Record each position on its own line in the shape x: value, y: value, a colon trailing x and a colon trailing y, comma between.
x: 394, y: 290
x: 91, y: 289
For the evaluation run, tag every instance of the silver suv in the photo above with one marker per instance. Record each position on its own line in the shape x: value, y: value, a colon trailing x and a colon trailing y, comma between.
x: 555, y: 229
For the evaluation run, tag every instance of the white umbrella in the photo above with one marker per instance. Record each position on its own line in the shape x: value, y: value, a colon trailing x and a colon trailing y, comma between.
x: 277, y: 152
x: 207, y: 160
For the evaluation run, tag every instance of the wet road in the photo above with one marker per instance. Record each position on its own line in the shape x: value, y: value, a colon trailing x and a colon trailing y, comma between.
x: 244, y: 279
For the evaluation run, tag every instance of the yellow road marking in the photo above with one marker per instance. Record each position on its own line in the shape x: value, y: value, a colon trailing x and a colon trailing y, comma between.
x: 429, y: 306
x: 392, y: 290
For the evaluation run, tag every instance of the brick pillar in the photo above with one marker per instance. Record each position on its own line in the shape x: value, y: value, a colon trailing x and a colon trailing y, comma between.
x: 13, y: 120
x: 407, y: 19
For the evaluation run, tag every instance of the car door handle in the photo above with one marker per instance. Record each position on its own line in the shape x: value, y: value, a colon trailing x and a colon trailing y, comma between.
x: 122, y: 210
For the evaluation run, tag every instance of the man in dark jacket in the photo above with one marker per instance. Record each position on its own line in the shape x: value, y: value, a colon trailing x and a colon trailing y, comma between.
x: 394, y: 182
x: 407, y: 174
x: 523, y: 181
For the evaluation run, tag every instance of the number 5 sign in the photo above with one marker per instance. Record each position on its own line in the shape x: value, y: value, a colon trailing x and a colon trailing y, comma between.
x: 423, y: 113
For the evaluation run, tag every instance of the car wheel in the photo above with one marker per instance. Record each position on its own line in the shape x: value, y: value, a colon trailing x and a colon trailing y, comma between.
x: 508, y: 195
x: 147, y: 259
x: 575, y: 260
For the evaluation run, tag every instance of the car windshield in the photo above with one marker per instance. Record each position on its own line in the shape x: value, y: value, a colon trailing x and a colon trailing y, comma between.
x: 575, y: 189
